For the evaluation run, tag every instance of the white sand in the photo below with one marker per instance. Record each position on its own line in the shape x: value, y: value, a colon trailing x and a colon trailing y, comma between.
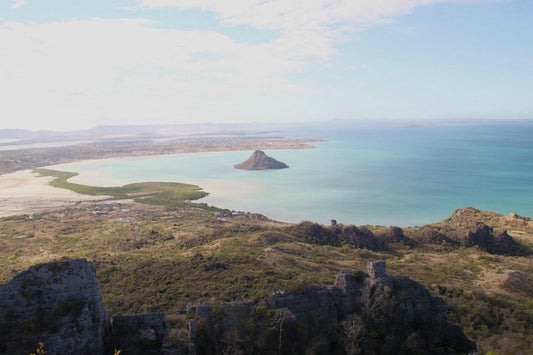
x: 26, y: 192
x: 222, y: 193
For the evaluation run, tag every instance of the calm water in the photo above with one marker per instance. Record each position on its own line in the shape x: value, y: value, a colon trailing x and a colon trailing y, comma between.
x: 392, y: 176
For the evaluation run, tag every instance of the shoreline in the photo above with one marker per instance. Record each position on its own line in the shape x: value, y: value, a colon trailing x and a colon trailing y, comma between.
x: 25, y: 192
x: 22, y: 159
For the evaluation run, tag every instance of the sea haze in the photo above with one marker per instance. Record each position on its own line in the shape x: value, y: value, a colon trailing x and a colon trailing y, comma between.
x: 389, y: 176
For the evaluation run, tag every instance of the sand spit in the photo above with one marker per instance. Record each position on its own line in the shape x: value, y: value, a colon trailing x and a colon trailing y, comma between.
x: 27, y: 192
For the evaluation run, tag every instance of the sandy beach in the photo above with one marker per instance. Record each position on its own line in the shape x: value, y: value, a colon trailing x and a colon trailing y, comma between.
x: 27, y: 192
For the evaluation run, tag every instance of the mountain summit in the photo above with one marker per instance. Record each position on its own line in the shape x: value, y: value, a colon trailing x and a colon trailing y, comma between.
x: 260, y: 161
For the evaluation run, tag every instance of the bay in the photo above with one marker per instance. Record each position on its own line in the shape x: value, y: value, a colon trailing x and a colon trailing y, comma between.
x: 361, y: 175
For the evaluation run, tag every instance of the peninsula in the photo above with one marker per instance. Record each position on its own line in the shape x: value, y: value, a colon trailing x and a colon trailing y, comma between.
x: 31, y: 158
x: 260, y: 161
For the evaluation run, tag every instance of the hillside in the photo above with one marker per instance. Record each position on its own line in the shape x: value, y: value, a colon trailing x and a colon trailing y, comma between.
x: 156, y: 258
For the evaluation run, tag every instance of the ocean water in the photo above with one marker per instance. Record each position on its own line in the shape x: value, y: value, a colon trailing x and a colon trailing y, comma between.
x: 401, y: 176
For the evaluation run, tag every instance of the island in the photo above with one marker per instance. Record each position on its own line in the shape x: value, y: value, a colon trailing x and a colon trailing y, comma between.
x: 260, y: 161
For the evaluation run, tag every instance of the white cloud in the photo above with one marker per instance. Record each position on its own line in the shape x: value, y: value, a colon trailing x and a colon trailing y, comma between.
x: 18, y: 3
x: 81, y: 71
x: 311, y: 27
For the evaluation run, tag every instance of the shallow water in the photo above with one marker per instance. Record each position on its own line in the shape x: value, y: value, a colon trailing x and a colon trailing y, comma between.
x: 390, y: 176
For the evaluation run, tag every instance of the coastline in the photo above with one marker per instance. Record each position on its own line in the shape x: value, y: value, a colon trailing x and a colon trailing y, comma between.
x: 14, y: 160
x: 25, y: 192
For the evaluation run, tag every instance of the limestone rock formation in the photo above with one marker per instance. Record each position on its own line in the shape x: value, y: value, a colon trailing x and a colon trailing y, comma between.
x: 375, y: 313
x: 139, y: 333
x: 359, y: 314
x: 394, y: 235
x: 56, y: 303
x: 337, y: 235
x: 260, y: 161
x: 468, y: 227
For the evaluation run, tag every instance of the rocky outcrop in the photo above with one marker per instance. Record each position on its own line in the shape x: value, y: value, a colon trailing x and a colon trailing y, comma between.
x: 469, y: 227
x: 362, y: 237
x: 336, y: 235
x: 139, y: 334
x: 360, y: 313
x: 481, y: 235
x: 260, y: 161
x: 57, y: 303
x: 394, y: 235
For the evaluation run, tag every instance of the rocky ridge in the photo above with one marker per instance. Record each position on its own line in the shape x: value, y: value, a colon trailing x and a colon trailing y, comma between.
x: 59, y: 304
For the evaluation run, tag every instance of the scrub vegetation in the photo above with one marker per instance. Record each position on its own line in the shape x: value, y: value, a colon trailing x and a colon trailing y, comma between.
x: 155, y: 193
x: 159, y: 258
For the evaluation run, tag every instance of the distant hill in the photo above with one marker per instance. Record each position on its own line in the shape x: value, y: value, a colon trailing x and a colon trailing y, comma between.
x: 260, y: 161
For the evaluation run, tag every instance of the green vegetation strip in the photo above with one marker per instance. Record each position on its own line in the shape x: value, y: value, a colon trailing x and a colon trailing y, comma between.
x: 172, y: 194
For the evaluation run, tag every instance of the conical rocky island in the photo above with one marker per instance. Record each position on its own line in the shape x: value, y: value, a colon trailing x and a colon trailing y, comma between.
x: 260, y: 161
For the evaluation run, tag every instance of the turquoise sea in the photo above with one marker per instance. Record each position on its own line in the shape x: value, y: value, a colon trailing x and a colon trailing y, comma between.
x: 390, y: 176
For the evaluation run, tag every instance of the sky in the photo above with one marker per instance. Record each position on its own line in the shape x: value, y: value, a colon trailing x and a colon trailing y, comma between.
x: 73, y: 64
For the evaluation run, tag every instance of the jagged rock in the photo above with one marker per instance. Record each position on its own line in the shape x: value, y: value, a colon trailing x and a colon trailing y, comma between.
x: 362, y: 238
x: 430, y: 234
x: 393, y: 315
x: 139, y: 334
x: 337, y: 235
x: 393, y: 235
x: 398, y: 315
x: 260, y: 161
x: 314, y: 233
x: 377, y: 270
x: 505, y: 244
x: 466, y: 227
x: 479, y: 234
x: 203, y: 311
x: 351, y: 287
x: 56, y: 303
x: 192, y: 337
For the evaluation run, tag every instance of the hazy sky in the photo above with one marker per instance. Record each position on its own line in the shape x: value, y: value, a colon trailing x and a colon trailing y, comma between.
x: 68, y: 64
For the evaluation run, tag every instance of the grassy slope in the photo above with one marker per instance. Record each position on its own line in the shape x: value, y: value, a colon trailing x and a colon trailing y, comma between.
x: 168, y: 257
x: 156, y: 193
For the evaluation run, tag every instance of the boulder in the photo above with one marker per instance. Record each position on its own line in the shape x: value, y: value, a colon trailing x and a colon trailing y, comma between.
x: 56, y: 303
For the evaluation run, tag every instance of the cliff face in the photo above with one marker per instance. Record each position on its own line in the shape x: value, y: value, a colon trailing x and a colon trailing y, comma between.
x: 57, y: 303
x: 359, y: 314
x: 260, y: 161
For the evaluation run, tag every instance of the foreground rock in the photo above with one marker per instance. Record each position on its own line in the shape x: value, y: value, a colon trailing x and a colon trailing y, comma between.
x: 361, y: 313
x: 59, y: 304
x: 56, y: 303
x: 260, y: 161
